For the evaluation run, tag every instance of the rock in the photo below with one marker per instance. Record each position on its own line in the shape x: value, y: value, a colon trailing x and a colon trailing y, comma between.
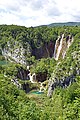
x: 23, y: 74
x: 60, y: 83
x: 44, y: 51
x: 14, y: 51
x: 27, y: 87
x: 16, y: 82
x: 41, y: 77
x: 50, y: 88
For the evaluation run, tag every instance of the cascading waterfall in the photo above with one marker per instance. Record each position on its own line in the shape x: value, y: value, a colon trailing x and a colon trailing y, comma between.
x: 32, y: 77
x: 21, y: 75
x: 56, y: 56
x: 47, y: 50
x: 56, y: 47
x: 69, y: 42
x: 41, y: 87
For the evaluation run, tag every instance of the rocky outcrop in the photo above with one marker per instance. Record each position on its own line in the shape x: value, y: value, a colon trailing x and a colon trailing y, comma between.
x: 41, y: 77
x: 14, y: 51
x: 56, y: 49
x: 45, y: 51
x: 64, y: 82
x: 27, y: 87
x: 23, y: 74
x: 17, y: 52
x: 16, y: 82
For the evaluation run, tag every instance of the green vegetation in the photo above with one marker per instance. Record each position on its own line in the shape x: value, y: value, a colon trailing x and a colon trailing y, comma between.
x: 44, y: 66
x: 3, y: 62
x: 15, y: 104
x: 65, y: 24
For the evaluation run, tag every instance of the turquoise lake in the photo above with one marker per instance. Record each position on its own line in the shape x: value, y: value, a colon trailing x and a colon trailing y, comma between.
x: 3, y: 62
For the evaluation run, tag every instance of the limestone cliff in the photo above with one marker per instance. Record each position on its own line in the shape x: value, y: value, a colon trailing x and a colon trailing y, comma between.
x: 56, y: 49
x: 14, y: 51
x: 18, y: 52
x: 65, y: 71
x: 45, y: 51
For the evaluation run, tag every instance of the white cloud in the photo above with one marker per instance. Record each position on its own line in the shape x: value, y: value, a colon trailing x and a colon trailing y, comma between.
x: 38, y: 12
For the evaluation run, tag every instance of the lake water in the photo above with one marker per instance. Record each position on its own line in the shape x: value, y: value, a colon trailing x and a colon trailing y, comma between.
x: 3, y: 62
x: 37, y: 92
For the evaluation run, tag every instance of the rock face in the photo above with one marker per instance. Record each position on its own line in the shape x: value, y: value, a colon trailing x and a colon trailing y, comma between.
x: 62, y: 45
x: 16, y: 82
x: 64, y: 76
x: 41, y: 77
x: 27, y: 87
x: 64, y: 82
x: 14, y: 51
x: 23, y: 74
x: 45, y: 51
x: 54, y: 49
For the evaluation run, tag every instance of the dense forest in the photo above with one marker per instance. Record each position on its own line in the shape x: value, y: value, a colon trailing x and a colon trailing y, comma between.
x: 53, y: 54
x: 65, y: 24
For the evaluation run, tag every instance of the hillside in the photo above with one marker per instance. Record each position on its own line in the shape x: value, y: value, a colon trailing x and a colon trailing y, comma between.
x: 65, y: 24
x: 40, y: 72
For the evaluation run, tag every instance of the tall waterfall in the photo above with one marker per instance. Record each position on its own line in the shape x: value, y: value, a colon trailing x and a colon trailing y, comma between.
x: 58, y: 50
x: 62, y: 45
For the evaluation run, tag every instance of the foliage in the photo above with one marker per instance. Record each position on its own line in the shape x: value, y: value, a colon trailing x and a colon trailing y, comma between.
x: 44, y: 66
x: 65, y: 103
x: 2, y: 58
x: 14, y: 104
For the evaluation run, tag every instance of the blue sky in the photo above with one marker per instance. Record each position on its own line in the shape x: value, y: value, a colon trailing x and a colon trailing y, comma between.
x: 38, y: 12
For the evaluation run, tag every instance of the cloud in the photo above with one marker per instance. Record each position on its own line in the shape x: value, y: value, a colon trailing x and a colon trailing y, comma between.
x: 38, y: 12
x: 36, y: 4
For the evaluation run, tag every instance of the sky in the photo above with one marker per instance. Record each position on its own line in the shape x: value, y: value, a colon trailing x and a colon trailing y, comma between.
x: 38, y: 12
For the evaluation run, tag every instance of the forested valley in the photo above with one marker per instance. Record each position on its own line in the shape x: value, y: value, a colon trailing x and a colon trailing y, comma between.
x: 39, y: 72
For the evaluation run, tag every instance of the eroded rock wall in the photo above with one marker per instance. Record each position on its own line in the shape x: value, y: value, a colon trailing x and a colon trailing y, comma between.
x: 14, y: 51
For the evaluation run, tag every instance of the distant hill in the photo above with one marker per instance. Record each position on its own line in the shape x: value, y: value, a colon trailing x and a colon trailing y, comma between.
x: 65, y: 24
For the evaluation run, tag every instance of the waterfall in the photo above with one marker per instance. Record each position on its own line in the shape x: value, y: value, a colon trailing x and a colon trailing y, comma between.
x: 69, y: 42
x: 56, y: 47
x: 21, y: 75
x: 64, y: 54
x: 32, y: 77
x: 41, y: 87
x: 47, y: 51
x: 16, y: 82
x: 56, y: 54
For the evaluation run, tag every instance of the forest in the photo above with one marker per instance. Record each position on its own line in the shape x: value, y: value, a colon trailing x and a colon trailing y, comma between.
x: 58, y: 69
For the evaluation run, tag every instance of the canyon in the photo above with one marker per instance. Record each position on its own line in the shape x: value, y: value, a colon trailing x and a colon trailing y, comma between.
x: 18, y: 53
x: 56, y: 50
